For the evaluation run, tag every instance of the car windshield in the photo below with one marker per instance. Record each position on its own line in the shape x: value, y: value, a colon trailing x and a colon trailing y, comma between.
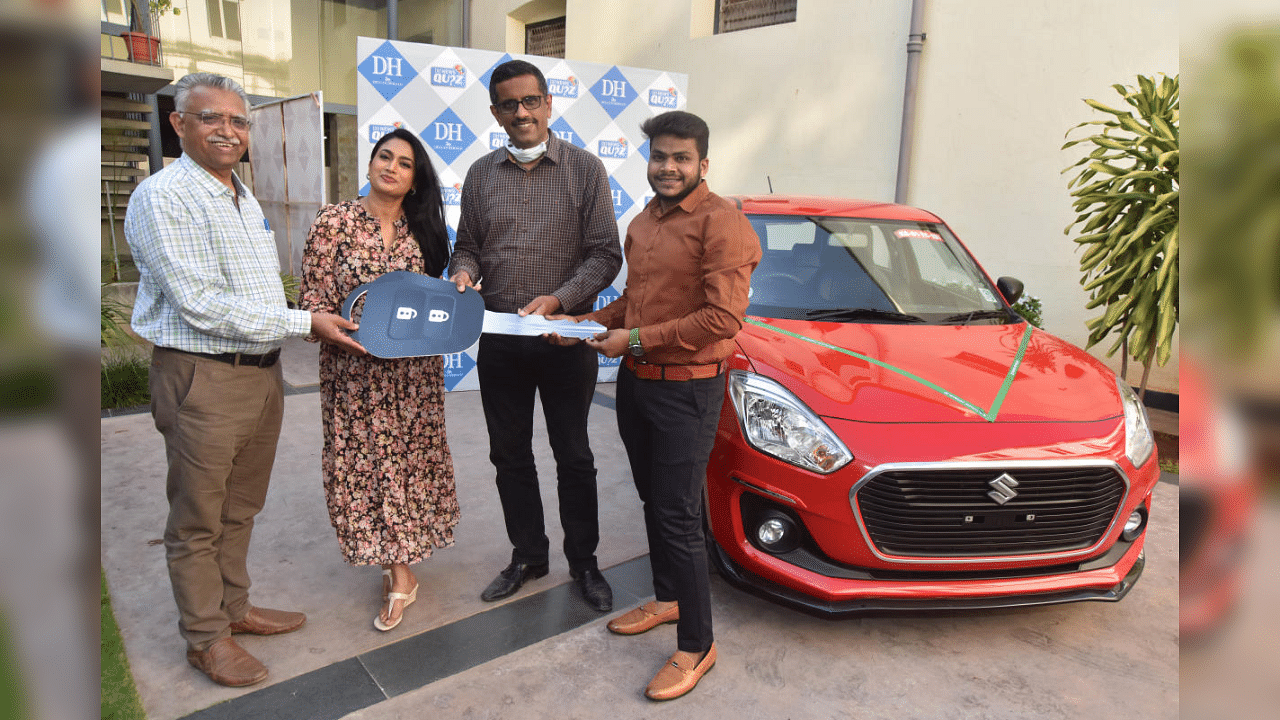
x: 855, y: 270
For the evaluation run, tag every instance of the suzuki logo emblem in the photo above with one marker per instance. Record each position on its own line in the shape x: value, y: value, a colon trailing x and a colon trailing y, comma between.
x: 1003, y: 489
x: 406, y: 313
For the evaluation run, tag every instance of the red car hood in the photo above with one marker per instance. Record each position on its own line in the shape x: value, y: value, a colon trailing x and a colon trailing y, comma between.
x: 931, y: 373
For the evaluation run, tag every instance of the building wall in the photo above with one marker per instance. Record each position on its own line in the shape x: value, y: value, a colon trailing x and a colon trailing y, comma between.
x: 1000, y: 85
x: 814, y: 107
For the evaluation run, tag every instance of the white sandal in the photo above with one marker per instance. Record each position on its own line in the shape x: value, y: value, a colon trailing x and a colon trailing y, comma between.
x: 408, y: 599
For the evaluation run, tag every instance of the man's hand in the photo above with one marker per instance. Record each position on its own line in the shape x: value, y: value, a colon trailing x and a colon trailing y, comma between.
x: 611, y: 343
x: 462, y: 279
x: 542, y: 305
x: 329, y: 328
x: 556, y: 339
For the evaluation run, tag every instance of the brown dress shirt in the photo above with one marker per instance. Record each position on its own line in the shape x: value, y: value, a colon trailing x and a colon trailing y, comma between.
x: 688, y: 277
x: 546, y: 231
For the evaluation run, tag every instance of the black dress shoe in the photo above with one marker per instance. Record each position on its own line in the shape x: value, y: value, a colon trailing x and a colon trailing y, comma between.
x: 510, y: 580
x: 595, y: 589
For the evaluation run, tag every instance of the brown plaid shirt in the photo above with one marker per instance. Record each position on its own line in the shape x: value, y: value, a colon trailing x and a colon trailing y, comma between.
x: 547, y: 231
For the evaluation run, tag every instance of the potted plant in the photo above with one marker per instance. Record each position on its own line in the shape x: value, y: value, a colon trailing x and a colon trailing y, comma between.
x: 1126, y: 194
x: 143, y: 47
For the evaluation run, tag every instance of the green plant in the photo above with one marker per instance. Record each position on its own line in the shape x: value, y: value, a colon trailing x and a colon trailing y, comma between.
x: 292, y: 287
x: 1233, y: 266
x: 125, y: 384
x: 114, y: 320
x: 120, y: 700
x: 1126, y: 200
x: 1030, y: 309
x: 160, y: 7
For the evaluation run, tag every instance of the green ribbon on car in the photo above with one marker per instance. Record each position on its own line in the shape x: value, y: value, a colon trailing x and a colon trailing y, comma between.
x: 988, y: 415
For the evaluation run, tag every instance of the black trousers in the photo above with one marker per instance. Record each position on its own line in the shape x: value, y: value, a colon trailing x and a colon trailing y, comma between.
x: 511, y: 369
x: 668, y: 429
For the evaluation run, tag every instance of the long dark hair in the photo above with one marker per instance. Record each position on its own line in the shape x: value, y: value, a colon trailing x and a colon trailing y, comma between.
x: 423, y: 208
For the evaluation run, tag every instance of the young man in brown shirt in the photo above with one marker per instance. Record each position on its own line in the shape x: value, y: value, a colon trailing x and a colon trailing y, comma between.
x: 690, y: 254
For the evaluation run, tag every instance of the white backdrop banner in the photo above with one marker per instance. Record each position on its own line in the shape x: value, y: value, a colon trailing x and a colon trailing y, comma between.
x: 442, y: 95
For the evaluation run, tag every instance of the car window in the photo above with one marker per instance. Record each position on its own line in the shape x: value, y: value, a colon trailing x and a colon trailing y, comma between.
x: 815, y: 267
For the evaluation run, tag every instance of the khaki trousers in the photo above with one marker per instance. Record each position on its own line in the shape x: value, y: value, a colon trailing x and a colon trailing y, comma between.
x: 220, y: 425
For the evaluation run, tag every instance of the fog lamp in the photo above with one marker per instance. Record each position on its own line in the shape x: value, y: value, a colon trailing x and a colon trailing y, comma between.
x: 777, y: 534
x: 1133, y: 526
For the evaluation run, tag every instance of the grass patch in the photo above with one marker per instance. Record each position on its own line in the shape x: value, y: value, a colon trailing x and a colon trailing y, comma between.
x: 1169, y: 466
x: 120, y: 699
x: 124, y: 384
x: 13, y: 702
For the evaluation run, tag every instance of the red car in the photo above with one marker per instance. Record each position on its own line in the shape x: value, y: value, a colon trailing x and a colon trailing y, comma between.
x: 895, y: 436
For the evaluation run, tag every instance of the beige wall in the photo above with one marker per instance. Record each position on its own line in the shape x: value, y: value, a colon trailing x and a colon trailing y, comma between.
x: 1000, y: 84
x: 816, y: 105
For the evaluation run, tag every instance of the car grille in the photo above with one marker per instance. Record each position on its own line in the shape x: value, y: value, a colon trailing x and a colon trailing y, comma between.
x: 949, y: 512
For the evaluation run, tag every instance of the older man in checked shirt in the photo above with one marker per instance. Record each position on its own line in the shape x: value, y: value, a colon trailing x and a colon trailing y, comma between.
x: 210, y: 299
x: 538, y: 235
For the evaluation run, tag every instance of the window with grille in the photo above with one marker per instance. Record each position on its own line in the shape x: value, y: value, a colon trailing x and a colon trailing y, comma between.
x: 733, y: 15
x: 545, y: 38
x: 224, y: 18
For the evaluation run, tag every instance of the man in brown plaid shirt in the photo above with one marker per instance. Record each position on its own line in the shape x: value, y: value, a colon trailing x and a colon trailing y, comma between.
x: 538, y: 235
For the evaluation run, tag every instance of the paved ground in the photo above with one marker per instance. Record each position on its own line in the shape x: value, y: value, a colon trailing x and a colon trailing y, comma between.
x: 1074, y: 661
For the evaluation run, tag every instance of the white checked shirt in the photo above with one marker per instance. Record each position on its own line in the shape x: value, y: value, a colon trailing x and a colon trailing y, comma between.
x: 210, y: 275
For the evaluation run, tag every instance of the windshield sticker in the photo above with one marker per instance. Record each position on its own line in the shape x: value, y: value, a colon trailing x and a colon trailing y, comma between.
x: 986, y: 295
x: 988, y: 415
x: 923, y: 234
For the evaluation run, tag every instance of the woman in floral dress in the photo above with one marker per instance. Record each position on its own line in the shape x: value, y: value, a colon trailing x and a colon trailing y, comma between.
x: 388, y: 474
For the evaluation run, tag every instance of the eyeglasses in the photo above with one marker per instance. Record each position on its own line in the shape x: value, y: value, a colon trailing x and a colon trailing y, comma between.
x: 213, y: 119
x: 530, y: 102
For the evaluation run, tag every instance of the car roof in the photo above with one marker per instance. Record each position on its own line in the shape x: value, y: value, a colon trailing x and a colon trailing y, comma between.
x: 830, y: 207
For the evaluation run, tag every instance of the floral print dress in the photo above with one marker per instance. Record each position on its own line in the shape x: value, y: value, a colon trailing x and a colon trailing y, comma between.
x: 388, y: 474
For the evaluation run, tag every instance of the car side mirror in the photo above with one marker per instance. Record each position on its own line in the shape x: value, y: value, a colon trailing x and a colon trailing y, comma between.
x: 1010, y: 288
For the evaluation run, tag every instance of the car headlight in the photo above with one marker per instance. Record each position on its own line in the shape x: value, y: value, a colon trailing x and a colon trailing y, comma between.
x: 1138, y: 440
x: 776, y: 423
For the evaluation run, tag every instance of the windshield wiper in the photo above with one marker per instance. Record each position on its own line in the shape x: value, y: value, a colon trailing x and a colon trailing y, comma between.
x: 851, y: 314
x: 964, y: 318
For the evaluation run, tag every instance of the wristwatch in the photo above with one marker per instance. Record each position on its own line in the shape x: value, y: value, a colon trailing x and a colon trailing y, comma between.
x: 633, y: 345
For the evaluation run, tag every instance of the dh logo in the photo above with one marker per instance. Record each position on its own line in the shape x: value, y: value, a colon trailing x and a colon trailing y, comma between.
x: 454, y: 77
x: 388, y: 66
x: 613, y: 89
x: 406, y: 313
x: 605, y: 297
x: 664, y: 98
x: 498, y: 140
x: 614, y: 92
x: 622, y: 202
x: 448, y: 132
x: 1003, y: 489
x: 448, y: 136
x: 387, y: 70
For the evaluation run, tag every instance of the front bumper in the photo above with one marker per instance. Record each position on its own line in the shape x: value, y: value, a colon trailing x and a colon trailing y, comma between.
x: 913, y: 598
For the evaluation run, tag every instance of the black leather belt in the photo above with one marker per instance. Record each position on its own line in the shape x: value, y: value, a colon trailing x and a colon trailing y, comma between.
x: 235, y: 359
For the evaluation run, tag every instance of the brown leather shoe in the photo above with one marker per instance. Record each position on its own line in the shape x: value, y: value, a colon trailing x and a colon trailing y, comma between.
x: 680, y: 675
x: 226, y: 663
x: 265, y: 621
x: 644, y: 618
